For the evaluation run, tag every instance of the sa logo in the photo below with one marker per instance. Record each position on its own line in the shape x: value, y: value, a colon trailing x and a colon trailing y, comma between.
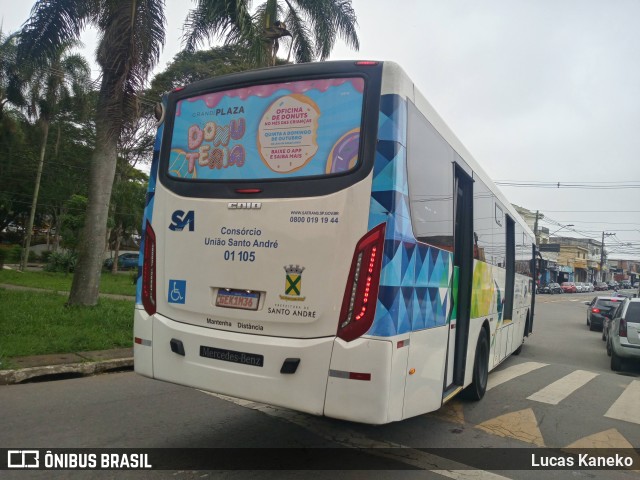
x: 180, y: 219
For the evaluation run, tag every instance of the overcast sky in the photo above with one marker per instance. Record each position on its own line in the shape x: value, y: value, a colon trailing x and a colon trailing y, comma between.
x: 537, y: 90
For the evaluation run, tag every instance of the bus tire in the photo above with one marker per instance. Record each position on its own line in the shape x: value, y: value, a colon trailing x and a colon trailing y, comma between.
x: 478, y: 386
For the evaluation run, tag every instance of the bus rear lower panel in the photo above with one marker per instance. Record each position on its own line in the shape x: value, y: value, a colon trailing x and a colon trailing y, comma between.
x: 346, y: 380
x: 239, y: 365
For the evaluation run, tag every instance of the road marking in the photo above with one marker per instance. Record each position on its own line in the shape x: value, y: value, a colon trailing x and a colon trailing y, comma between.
x: 352, y: 439
x: 521, y: 425
x: 611, y: 438
x: 626, y: 407
x: 498, y: 378
x: 561, y: 389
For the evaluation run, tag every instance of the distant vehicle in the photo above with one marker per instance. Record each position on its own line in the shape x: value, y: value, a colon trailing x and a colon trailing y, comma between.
x: 599, y: 309
x: 601, y: 287
x: 625, y: 284
x: 589, y: 286
x: 553, y: 288
x: 579, y: 287
x: 569, y: 287
x: 623, y: 339
x: 613, y: 285
x: 126, y: 261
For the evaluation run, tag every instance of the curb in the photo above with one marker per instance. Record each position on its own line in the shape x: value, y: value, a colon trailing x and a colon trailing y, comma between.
x: 10, y: 377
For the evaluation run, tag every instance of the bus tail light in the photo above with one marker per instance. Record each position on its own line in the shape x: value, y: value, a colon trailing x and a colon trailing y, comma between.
x: 359, y: 303
x: 622, y: 329
x: 149, y: 271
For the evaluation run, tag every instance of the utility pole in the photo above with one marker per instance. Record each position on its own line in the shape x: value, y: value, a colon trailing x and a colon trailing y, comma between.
x: 602, y: 254
x: 535, y: 228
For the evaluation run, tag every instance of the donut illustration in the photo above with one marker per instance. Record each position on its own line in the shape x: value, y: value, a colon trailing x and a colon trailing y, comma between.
x: 344, y: 154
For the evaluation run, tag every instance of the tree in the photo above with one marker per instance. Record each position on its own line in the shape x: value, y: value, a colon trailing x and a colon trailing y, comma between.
x: 49, y: 86
x: 132, y: 32
x: 311, y: 26
x: 127, y: 201
x: 188, y: 67
x: 8, y: 46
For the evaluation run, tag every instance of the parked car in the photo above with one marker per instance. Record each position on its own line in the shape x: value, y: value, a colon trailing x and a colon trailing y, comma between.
x: 613, y: 285
x: 126, y: 261
x: 569, y: 287
x: 601, y: 287
x: 555, y: 288
x: 579, y: 287
x: 590, y: 287
x: 623, y: 339
x: 550, y: 288
x: 600, y: 308
x: 625, y: 284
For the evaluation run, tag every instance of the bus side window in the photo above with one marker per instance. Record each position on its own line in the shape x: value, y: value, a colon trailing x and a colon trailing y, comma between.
x: 430, y: 177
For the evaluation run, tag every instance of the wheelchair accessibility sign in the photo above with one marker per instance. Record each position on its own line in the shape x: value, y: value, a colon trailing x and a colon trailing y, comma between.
x: 177, y: 291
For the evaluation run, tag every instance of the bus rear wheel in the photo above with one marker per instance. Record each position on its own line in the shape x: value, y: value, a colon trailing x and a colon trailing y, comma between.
x: 478, y: 386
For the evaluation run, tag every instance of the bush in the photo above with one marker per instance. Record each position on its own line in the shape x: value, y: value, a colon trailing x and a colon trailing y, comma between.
x: 15, y: 254
x: 61, y: 262
x: 44, y: 256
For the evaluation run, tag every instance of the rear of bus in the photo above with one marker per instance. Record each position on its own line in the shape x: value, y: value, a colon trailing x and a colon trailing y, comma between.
x: 260, y: 268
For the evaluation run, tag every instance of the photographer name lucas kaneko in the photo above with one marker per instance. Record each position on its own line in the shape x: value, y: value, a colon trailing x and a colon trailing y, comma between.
x: 582, y: 460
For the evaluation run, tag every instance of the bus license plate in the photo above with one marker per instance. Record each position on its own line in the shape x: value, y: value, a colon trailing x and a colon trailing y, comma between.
x: 238, y: 299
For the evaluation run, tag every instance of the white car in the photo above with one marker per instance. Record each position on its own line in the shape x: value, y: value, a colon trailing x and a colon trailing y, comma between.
x: 579, y: 287
x: 590, y: 287
x: 623, y: 339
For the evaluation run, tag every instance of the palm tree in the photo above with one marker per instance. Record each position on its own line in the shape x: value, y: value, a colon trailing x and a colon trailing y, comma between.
x: 311, y: 25
x: 132, y: 33
x: 50, y: 86
x: 8, y: 67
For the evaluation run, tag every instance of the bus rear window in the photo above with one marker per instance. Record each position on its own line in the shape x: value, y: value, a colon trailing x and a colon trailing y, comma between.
x: 306, y: 128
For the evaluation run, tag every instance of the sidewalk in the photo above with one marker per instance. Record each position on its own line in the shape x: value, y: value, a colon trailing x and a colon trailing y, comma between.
x: 44, y: 367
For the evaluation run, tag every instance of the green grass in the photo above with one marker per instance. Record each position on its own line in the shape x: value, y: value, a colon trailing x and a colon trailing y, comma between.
x: 120, y: 284
x: 40, y: 323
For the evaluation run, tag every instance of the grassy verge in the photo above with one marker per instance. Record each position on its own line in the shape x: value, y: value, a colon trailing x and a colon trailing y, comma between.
x: 40, y: 323
x: 120, y: 284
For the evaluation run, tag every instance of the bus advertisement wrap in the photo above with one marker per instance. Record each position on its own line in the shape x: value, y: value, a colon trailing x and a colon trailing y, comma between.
x: 305, y: 128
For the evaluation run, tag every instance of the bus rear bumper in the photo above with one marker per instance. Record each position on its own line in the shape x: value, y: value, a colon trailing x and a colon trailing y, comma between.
x: 235, y: 364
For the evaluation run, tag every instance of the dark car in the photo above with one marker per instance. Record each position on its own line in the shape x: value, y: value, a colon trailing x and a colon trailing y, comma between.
x: 613, y: 285
x: 600, y: 309
x: 625, y: 284
x: 601, y: 287
x: 554, y: 288
x: 126, y: 261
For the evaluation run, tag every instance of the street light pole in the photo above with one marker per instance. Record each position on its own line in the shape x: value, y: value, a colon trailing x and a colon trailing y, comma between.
x: 602, y: 254
x: 564, y: 226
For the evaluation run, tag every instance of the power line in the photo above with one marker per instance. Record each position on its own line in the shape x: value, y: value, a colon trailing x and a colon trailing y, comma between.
x: 572, y: 185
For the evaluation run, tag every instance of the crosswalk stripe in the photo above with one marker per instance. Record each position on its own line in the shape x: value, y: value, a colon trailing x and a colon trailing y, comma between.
x: 498, y: 378
x: 561, y: 389
x: 626, y: 406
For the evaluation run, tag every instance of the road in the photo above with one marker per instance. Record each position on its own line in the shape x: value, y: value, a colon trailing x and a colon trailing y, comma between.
x: 560, y: 392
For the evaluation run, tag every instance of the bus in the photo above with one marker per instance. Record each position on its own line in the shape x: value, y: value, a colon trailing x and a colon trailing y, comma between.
x: 316, y: 238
